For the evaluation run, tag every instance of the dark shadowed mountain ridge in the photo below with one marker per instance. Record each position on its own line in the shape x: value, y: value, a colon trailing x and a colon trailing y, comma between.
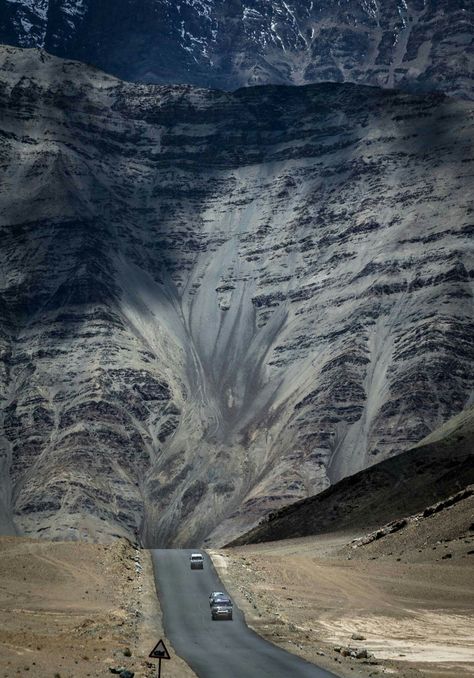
x: 440, y: 466
x: 419, y: 45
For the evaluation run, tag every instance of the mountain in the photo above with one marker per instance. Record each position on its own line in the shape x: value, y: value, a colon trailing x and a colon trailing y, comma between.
x: 418, y: 45
x: 439, y: 468
x: 214, y: 304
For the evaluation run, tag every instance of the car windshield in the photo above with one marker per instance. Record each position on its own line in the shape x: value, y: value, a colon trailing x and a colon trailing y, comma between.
x: 225, y: 602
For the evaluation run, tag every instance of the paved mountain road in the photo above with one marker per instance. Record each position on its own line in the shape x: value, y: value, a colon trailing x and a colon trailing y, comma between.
x: 216, y: 649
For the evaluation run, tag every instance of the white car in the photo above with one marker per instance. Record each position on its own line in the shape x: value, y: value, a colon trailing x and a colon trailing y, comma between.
x: 196, y: 561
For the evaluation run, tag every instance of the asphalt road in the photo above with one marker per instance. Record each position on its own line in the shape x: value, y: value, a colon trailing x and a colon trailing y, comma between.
x: 215, y: 649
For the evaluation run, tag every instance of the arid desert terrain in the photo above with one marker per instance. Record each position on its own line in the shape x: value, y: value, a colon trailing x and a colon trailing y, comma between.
x: 74, y: 610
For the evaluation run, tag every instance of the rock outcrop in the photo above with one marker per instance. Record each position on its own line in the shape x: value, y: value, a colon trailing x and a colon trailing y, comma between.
x: 214, y: 304
x: 420, y: 45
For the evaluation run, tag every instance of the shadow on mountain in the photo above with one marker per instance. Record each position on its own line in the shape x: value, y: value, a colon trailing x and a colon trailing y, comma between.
x: 439, y: 467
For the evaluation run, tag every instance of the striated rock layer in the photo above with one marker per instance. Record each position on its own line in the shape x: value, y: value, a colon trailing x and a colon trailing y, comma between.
x: 213, y: 304
x: 419, y: 45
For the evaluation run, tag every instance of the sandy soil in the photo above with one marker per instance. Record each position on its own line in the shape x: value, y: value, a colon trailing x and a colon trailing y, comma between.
x: 72, y: 610
x: 413, y: 607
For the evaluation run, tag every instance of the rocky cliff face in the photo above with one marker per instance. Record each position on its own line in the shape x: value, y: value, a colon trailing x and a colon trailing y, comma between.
x: 213, y: 304
x: 419, y: 45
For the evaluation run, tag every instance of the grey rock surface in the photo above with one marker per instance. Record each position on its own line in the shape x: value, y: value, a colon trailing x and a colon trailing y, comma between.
x: 214, y: 304
x: 419, y: 45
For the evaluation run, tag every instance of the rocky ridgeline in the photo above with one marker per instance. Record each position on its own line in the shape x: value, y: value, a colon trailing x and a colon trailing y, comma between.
x: 420, y: 45
x: 397, y: 525
x: 212, y: 303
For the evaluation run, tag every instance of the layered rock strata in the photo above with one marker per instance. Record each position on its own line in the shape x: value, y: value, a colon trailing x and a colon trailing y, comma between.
x: 214, y: 304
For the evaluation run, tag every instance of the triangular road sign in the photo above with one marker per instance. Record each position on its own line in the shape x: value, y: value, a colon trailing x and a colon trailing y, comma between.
x: 160, y: 651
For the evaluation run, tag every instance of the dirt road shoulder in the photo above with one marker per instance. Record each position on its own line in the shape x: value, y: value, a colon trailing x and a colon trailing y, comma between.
x: 76, y: 610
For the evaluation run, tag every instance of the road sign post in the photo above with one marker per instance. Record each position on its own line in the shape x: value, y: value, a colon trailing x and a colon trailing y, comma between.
x: 160, y: 652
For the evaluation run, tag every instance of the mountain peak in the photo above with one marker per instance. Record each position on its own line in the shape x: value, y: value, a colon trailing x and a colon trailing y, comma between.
x: 415, y: 45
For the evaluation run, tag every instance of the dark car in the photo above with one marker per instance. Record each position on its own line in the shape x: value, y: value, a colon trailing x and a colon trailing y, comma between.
x: 221, y: 608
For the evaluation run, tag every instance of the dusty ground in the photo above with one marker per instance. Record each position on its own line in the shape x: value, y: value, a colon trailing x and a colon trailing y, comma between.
x: 410, y: 595
x: 72, y: 610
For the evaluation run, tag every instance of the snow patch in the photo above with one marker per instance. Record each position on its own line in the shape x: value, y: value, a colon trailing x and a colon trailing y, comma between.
x: 38, y: 8
x: 30, y: 15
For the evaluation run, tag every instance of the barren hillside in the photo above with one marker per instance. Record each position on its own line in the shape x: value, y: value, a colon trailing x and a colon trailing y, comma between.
x: 439, y: 468
x: 214, y: 304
